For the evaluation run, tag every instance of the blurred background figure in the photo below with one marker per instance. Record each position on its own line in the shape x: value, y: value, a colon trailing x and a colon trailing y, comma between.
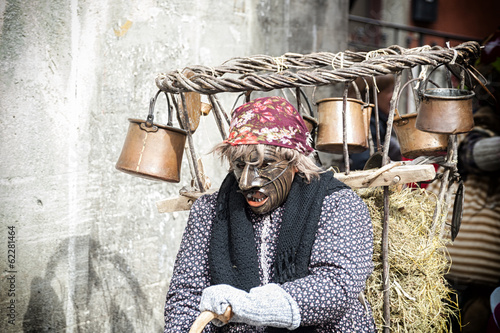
x: 475, y: 252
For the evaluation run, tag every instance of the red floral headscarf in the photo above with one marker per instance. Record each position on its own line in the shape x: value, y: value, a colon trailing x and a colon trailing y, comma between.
x: 271, y: 121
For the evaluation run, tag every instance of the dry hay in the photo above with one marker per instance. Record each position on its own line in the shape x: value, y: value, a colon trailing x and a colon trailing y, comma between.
x: 419, y: 295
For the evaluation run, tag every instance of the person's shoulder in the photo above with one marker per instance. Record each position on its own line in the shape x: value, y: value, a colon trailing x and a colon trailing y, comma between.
x: 345, y: 195
x: 205, y: 201
x: 332, y: 183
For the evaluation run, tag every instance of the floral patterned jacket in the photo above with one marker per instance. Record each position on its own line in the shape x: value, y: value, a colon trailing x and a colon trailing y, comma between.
x: 340, y: 263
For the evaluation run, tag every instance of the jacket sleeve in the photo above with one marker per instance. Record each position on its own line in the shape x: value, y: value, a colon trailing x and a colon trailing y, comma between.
x: 341, y: 261
x: 469, y: 152
x: 191, y: 272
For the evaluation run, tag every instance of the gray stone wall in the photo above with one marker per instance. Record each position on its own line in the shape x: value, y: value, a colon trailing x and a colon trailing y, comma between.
x: 84, y: 248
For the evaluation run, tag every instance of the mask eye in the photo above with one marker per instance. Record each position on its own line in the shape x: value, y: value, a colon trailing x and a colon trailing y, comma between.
x: 269, y: 162
x: 238, y: 166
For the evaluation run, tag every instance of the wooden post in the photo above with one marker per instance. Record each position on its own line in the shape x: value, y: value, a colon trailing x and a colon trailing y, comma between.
x: 390, y: 119
x: 386, y: 283
x: 445, y: 186
x: 377, y: 125
x: 297, y: 97
x: 221, y: 109
x: 344, y: 128
x: 199, y: 182
x: 217, y: 116
x: 447, y: 201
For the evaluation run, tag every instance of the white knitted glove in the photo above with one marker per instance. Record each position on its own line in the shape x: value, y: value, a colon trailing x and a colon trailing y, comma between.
x: 268, y: 305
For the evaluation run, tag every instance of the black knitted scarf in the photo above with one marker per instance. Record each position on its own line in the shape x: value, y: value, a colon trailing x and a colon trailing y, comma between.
x: 233, y: 253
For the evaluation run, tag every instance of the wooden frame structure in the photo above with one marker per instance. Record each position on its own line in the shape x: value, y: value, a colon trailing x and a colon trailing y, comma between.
x: 293, y: 71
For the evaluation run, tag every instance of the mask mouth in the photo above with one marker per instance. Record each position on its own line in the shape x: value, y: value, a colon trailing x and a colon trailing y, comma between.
x: 255, y: 197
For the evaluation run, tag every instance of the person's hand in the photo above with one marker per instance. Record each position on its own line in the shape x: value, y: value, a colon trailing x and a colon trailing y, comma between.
x: 268, y: 305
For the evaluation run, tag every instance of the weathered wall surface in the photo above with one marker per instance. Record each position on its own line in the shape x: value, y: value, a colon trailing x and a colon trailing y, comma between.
x: 84, y: 248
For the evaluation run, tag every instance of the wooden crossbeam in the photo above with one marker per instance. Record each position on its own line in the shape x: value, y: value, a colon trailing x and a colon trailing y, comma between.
x: 391, y: 174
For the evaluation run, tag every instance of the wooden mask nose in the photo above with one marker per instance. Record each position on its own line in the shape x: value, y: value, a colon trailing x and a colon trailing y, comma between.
x: 249, y: 177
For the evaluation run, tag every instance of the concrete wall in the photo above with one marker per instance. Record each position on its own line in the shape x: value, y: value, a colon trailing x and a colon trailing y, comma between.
x: 92, y: 253
x: 397, y: 12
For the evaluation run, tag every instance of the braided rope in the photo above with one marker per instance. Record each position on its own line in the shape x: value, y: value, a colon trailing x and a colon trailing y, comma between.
x: 264, y: 73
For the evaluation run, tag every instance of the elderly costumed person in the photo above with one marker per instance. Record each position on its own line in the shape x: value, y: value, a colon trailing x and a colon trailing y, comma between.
x: 283, y: 243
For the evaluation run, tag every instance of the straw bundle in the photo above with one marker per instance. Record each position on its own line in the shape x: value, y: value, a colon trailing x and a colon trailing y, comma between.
x: 419, y: 295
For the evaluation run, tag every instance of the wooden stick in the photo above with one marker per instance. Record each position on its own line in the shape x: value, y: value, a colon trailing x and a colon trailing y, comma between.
x: 377, y: 121
x: 203, y: 319
x: 297, y: 97
x: 385, y: 263
x: 221, y: 109
x: 207, y: 316
x: 217, y: 117
x: 390, y: 119
x: 371, y: 146
x: 191, y: 145
x: 452, y: 150
x: 447, y: 199
x: 344, y: 128
x: 380, y: 171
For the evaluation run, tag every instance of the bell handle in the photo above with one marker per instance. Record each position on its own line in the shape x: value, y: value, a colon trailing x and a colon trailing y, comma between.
x: 152, y: 102
x: 427, y: 79
x: 311, y: 112
x: 367, y: 93
x: 404, y: 86
x: 298, y: 93
x: 401, y: 91
x: 423, y: 86
x: 247, y: 95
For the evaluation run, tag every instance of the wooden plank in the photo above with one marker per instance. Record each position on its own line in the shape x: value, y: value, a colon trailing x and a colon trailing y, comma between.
x: 394, y: 175
x: 391, y: 174
x: 183, y: 202
x: 174, y: 204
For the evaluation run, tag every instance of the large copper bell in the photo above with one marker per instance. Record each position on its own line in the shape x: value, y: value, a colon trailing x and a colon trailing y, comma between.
x: 445, y: 110
x: 151, y: 150
x: 412, y: 141
x: 330, y: 131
